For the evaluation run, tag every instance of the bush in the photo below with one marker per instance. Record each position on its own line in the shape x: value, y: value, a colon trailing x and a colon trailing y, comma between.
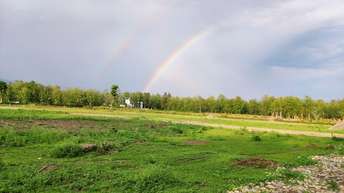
x: 69, y: 151
x: 105, y: 148
x: 256, y: 138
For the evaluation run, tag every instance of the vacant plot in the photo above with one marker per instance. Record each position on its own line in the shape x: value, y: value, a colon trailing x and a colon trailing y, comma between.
x: 47, y: 151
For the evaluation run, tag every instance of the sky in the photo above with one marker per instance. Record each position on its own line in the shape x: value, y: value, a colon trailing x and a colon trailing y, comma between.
x: 245, y: 48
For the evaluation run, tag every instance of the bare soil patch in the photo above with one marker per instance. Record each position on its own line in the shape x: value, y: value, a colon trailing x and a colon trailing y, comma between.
x: 88, y: 147
x: 257, y: 162
x: 59, y: 124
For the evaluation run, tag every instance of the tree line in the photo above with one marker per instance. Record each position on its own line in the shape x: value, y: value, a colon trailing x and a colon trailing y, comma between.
x: 280, y: 107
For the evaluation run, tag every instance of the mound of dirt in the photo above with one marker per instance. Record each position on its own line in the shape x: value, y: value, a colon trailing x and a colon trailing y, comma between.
x: 70, y: 125
x: 257, y: 163
x: 88, y: 147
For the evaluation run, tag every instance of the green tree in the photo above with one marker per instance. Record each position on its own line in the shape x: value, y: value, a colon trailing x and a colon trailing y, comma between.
x: 3, y: 90
x: 115, y: 93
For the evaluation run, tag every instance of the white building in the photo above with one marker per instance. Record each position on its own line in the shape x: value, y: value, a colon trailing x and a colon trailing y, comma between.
x: 128, y: 103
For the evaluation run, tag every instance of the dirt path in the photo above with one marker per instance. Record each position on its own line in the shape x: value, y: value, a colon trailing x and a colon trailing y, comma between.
x: 259, y: 129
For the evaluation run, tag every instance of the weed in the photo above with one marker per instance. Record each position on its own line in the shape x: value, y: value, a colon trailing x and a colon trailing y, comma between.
x: 67, y: 151
x: 303, y: 161
x: 339, y: 149
x: 285, y: 174
x: 333, y: 186
x: 105, y: 148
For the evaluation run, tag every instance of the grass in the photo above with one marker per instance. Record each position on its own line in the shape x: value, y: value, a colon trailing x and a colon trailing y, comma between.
x: 220, y: 119
x: 41, y: 151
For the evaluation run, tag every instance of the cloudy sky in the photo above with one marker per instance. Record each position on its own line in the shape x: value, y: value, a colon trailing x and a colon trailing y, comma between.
x: 187, y: 47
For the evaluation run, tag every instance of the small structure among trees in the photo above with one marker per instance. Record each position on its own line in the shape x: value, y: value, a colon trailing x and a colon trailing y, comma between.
x: 128, y: 103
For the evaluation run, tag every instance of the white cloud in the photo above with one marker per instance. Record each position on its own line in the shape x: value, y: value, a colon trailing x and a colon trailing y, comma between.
x: 124, y: 40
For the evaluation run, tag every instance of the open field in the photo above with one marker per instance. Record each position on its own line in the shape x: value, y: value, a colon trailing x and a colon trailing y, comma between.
x: 70, y: 150
x: 233, y: 121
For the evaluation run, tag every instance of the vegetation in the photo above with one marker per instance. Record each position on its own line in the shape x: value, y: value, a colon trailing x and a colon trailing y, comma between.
x: 44, y: 151
x: 279, y: 107
x: 3, y: 90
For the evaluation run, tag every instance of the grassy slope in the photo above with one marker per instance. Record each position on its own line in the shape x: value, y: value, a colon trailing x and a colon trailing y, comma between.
x: 153, y: 156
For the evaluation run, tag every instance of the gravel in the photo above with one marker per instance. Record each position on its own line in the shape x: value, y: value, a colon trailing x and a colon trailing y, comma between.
x: 327, y: 176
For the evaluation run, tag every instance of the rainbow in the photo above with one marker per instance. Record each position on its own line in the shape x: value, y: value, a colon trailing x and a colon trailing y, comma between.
x: 162, y: 67
x: 116, y: 53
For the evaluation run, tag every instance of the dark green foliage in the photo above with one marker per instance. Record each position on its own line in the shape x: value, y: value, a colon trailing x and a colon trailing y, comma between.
x: 333, y: 186
x: 334, y: 138
x: 3, y: 90
x: 256, y: 138
x: 279, y: 107
x: 67, y: 151
x: 115, y: 91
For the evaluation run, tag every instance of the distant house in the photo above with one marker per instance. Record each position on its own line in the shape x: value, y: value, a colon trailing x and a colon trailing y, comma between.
x: 128, y: 103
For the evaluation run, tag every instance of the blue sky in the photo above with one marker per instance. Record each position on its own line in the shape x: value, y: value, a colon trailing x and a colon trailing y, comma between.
x: 252, y: 48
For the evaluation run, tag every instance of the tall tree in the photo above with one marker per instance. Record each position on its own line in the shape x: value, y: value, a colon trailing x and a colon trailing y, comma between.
x: 115, y: 93
x: 3, y: 90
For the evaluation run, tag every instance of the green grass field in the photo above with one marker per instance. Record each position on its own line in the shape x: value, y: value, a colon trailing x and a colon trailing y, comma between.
x: 139, y: 152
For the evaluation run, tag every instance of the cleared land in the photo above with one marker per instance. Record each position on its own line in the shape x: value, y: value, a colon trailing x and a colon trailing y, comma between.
x: 237, y: 122
x: 69, y: 150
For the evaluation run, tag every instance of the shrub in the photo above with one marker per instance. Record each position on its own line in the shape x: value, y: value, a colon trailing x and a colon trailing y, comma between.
x: 68, y: 150
x: 256, y: 138
x: 105, y: 148
x: 177, y: 130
